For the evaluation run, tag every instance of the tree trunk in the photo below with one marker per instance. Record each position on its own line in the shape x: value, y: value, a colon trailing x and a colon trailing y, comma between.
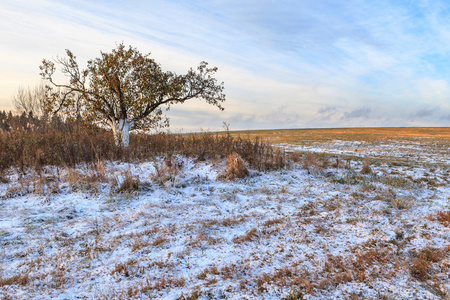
x: 121, y: 131
x: 125, y: 125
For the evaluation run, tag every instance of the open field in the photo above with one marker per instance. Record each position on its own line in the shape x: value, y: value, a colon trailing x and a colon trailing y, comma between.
x: 408, y: 144
x: 354, y: 214
x: 300, y: 136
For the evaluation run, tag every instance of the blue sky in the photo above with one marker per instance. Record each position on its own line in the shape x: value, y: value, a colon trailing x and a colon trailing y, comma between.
x: 285, y: 64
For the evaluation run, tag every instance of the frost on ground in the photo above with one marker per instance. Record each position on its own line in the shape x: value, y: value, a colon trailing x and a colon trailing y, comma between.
x: 174, y: 230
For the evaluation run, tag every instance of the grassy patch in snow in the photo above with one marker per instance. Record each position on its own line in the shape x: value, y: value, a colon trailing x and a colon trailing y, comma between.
x: 170, y: 227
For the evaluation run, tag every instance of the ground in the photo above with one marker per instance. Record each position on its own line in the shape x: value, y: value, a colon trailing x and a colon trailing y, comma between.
x: 353, y: 216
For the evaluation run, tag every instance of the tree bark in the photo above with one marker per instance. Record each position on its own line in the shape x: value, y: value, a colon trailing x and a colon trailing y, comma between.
x: 125, y: 125
x: 121, y: 131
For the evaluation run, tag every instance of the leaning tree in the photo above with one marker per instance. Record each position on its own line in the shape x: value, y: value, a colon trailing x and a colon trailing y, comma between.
x: 125, y: 90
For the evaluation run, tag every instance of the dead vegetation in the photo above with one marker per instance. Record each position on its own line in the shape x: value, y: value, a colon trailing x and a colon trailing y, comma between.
x: 435, y: 136
x: 235, y: 168
x: 321, y: 225
x: 129, y: 183
x: 366, y: 168
x: 66, y: 144
x: 443, y: 217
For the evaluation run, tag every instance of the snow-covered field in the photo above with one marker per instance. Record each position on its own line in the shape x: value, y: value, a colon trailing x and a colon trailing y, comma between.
x: 411, y: 151
x: 180, y: 233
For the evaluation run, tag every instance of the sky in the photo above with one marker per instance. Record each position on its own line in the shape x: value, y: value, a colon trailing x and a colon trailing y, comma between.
x: 284, y: 64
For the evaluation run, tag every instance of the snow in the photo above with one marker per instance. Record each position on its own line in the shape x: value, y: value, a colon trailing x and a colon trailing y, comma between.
x: 412, y: 151
x: 193, y: 232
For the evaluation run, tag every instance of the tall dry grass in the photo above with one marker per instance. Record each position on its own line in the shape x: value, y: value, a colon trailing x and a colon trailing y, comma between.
x: 67, y: 144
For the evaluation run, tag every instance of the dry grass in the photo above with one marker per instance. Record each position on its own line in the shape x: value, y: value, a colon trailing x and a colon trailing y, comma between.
x: 126, y: 268
x: 422, y: 262
x: 167, y: 171
x: 316, y: 163
x: 249, y: 236
x: 294, y: 294
x: 308, y: 136
x: 353, y: 178
x: 235, y: 168
x: 271, y: 222
x: 366, y: 169
x: 357, y: 266
x: 231, y: 221
x: 403, y: 202
x: 442, y: 217
x: 69, y: 144
x: 129, y: 184
x: 159, y: 241
x: 194, y: 296
x: 20, y: 279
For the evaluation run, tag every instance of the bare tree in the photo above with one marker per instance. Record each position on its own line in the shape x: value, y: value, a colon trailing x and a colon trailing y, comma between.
x: 29, y: 100
x: 125, y: 90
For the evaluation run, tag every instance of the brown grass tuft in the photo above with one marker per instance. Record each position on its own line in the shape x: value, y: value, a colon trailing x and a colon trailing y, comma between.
x: 235, y: 220
x: 130, y: 183
x: 249, y: 236
x: 366, y: 169
x: 160, y: 240
x: 235, y: 168
x: 16, y: 279
x: 125, y: 268
x: 403, y: 202
x: 442, y: 217
x: 422, y: 262
x: 316, y: 163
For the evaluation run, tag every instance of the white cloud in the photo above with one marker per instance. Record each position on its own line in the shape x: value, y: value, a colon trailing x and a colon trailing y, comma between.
x: 305, y: 56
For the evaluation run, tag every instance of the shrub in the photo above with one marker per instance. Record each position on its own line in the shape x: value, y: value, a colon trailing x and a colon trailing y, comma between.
x: 235, y: 168
x: 366, y: 168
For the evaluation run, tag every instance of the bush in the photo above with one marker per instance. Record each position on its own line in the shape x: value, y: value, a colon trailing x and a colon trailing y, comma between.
x: 366, y: 168
x: 235, y: 168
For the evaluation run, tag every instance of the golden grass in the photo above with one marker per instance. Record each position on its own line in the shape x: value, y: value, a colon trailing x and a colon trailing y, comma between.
x: 299, y: 136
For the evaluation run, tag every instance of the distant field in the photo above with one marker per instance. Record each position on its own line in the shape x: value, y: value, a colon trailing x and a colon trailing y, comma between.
x: 404, y: 145
x: 305, y: 136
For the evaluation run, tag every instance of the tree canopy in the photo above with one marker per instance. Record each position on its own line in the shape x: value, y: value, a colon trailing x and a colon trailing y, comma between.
x: 125, y: 90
